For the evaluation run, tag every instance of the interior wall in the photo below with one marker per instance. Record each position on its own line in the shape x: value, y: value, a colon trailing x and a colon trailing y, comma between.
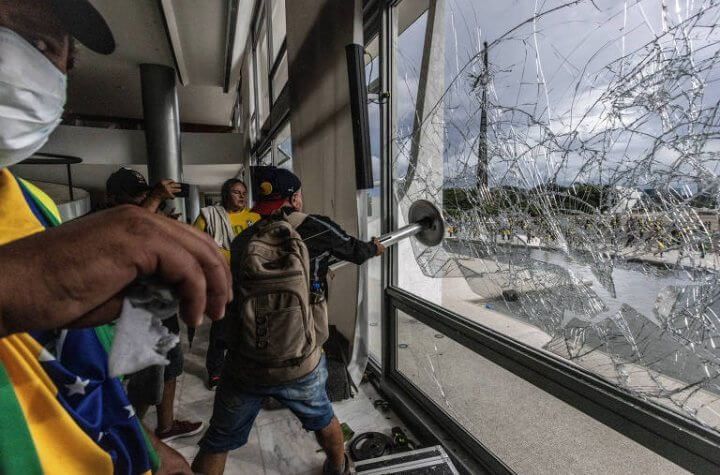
x: 323, y: 154
x: 208, y: 159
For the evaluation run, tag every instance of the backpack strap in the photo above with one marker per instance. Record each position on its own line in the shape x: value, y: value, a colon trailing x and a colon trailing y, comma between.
x: 295, y: 218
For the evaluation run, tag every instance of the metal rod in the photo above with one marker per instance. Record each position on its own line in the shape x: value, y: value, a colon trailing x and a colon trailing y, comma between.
x: 392, y: 237
x: 388, y: 239
x: 70, y: 184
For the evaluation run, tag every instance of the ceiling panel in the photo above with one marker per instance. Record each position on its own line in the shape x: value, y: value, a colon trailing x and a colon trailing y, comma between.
x: 109, y: 86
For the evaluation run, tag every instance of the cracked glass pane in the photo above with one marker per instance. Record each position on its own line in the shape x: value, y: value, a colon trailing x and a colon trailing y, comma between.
x: 574, y: 149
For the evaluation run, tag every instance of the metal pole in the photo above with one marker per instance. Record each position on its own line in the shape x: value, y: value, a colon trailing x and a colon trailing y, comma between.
x: 192, y: 204
x: 395, y: 236
x: 482, y: 167
x: 388, y: 239
x: 162, y: 126
x: 70, y: 185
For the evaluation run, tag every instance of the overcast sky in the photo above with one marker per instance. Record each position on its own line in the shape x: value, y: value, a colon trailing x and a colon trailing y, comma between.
x: 558, y: 103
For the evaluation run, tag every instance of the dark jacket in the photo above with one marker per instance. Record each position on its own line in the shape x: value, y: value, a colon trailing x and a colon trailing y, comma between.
x: 324, y: 239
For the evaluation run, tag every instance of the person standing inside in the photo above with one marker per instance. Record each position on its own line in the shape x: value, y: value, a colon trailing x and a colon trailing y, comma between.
x: 155, y: 385
x: 223, y: 223
x: 267, y: 353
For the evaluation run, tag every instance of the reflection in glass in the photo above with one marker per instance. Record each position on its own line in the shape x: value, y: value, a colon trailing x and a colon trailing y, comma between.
x: 252, y: 123
x: 277, y: 19
x: 262, y: 78
x: 282, y: 147
x: 280, y: 78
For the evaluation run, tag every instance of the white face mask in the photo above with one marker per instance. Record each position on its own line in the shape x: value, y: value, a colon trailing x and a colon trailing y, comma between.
x: 32, y: 98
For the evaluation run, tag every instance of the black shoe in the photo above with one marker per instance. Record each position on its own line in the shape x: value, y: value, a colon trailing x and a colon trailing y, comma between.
x: 328, y: 470
x: 213, y: 382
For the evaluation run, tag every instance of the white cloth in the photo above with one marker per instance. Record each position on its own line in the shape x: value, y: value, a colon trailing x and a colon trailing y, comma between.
x: 217, y: 225
x: 141, y: 340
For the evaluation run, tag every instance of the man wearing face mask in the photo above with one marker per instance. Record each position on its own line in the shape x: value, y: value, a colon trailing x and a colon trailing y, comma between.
x: 59, y: 410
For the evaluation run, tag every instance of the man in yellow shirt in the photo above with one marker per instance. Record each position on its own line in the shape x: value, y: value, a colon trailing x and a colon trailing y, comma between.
x: 223, y: 223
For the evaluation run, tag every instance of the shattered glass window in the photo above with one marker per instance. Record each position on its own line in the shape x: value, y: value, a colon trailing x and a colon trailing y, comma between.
x: 574, y: 149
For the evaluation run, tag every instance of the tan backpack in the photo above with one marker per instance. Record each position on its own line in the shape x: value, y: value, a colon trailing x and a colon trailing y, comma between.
x: 274, y: 329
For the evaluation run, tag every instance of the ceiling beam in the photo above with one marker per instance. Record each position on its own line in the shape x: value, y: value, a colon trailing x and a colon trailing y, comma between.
x: 171, y: 28
x: 230, y: 34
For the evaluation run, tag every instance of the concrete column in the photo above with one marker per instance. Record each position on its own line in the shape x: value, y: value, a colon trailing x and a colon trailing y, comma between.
x: 427, y: 149
x: 425, y: 175
x: 321, y: 123
x: 162, y: 127
x: 192, y: 204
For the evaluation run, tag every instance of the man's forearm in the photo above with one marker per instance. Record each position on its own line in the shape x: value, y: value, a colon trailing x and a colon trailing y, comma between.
x: 152, y: 203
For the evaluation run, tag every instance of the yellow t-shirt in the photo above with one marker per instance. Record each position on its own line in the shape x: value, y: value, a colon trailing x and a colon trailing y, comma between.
x: 239, y: 222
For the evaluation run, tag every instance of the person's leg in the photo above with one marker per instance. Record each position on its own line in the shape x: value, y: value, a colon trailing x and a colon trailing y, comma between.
x: 166, y: 408
x: 230, y: 424
x: 169, y: 428
x: 331, y: 440
x: 307, y: 399
x: 209, y: 463
x: 144, y: 389
x: 215, y: 357
x: 141, y: 410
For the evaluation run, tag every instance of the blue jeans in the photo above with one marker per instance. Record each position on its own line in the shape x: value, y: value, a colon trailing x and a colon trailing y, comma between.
x: 235, y: 411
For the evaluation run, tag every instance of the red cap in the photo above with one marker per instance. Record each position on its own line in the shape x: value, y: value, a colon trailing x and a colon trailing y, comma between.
x: 266, y: 208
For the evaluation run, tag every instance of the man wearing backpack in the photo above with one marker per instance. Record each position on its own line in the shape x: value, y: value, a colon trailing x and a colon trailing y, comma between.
x: 275, y: 337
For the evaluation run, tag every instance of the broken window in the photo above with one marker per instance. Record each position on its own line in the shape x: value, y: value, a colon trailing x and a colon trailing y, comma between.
x: 574, y: 148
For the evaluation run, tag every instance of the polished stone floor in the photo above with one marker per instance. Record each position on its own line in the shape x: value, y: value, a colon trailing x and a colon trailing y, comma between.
x: 277, y: 443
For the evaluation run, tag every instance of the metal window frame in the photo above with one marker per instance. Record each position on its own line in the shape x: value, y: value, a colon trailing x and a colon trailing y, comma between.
x: 669, y: 434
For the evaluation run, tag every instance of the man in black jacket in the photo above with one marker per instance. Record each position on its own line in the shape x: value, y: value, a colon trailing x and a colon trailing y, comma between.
x: 239, y: 399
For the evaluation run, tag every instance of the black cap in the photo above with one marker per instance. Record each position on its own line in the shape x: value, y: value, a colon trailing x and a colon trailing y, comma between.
x: 126, y: 180
x: 85, y: 24
x: 278, y: 183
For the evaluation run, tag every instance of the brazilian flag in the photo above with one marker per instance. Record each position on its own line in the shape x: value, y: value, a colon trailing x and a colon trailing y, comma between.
x: 59, y: 410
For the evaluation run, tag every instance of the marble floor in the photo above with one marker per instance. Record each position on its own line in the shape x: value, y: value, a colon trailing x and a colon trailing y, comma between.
x: 277, y: 443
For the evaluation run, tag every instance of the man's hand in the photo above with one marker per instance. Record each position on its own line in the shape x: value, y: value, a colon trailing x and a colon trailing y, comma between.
x: 165, y: 190
x: 171, y: 461
x: 74, y: 275
x: 379, y: 248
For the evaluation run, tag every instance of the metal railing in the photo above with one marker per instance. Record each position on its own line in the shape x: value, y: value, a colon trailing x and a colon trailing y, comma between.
x: 55, y: 159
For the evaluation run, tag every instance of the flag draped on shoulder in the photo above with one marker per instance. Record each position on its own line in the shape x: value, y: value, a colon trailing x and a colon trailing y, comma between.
x: 59, y: 410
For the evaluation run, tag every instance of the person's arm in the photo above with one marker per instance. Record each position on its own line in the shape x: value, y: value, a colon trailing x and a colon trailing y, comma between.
x: 339, y: 243
x: 165, y: 190
x: 74, y: 275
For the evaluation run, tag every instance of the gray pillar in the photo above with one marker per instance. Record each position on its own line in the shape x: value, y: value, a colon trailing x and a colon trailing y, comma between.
x: 192, y: 204
x: 162, y: 127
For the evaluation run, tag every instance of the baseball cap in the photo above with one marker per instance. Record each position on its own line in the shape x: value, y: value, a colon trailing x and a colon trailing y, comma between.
x: 85, y: 24
x: 126, y: 180
x: 278, y: 183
